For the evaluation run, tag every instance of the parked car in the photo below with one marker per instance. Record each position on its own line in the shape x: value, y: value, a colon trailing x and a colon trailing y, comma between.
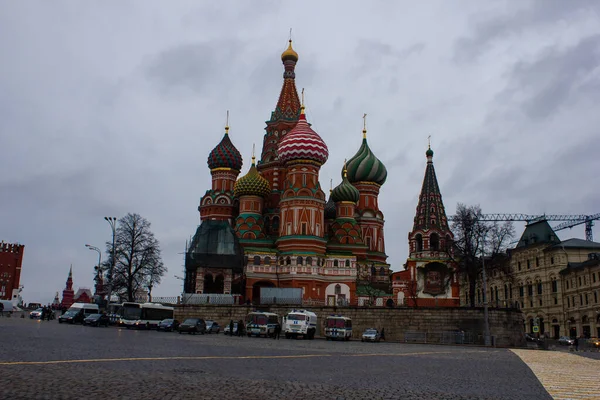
x: 594, y: 342
x: 193, y: 325
x: 530, y: 338
x: 371, y: 335
x: 227, y: 331
x: 168, y: 325
x: 212, y: 327
x: 71, y: 317
x: 566, y: 341
x: 36, y: 314
x: 96, y: 320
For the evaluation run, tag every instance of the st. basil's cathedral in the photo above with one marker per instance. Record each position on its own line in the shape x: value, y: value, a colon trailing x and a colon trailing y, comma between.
x: 275, y: 227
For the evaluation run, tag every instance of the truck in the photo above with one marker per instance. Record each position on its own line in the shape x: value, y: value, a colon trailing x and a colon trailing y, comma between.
x: 300, y: 323
x: 338, y: 327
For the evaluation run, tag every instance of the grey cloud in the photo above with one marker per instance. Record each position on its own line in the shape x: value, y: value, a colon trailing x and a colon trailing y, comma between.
x: 548, y: 82
x: 486, y: 31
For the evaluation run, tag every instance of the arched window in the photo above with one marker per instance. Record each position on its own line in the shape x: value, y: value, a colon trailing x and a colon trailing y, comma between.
x: 267, y: 225
x: 288, y: 261
x: 256, y: 260
x: 299, y: 261
x: 335, y: 263
x: 267, y: 260
x: 382, y: 271
x: 281, y: 261
x: 419, y: 242
x: 309, y: 261
x: 505, y: 292
x: 434, y: 242
x: 478, y: 296
x: 347, y: 263
x: 338, y: 289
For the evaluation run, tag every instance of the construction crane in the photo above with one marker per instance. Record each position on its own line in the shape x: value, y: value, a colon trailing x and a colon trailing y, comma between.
x: 569, y: 220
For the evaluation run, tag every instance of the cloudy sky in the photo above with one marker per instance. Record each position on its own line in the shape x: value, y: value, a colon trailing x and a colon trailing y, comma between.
x: 112, y: 107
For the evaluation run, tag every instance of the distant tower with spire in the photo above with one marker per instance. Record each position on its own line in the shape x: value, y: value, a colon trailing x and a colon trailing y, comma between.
x: 68, y: 294
x: 430, y: 278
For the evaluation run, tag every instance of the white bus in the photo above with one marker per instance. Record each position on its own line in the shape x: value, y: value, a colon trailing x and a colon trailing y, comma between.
x: 300, y: 323
x: 338, y: 327
x: 145, y: 315
x: 261, y: 323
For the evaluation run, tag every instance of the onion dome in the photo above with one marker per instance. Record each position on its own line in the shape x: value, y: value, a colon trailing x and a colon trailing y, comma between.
x: 330, y: 211
x: 252, y: 184
x: 225, y: 155
x: 429, y: 153
x: 365, y: 167
x: 345, y: 191
x: 302, y: 143
x: 289, y: 54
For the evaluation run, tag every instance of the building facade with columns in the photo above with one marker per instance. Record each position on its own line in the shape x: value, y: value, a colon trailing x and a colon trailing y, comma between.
x: 290, y: 234
x: 555, y: 283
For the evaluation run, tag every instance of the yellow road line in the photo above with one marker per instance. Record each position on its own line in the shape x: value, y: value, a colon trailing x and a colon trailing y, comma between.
x: 100, y: 360
x: 563, y: 375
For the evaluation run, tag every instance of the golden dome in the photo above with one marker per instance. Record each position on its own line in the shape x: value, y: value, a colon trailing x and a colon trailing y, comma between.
x: 289, y: 54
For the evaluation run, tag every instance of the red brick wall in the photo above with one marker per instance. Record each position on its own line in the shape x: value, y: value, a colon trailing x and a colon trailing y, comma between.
x: 11, y: 258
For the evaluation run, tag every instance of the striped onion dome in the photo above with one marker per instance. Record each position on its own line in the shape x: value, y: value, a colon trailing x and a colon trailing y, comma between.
x: 302, y: 143
x: 365, y: 167
x: 252, y: 184
x: 225, y: 155
x: 330, y: 211
x: 345, y: 192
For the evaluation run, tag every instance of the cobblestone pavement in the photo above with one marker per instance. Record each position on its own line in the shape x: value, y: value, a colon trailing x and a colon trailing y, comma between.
x: 564, y: 375
x: 47, y: 360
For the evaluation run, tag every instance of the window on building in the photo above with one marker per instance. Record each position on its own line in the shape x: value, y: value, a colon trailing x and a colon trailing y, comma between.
x: 568, y: 302
x: 521, y: 291
x: 288, y: 261
x: 419, y: 242
x: 537, y: 261
x: 580, y: 299
x: 510, y: 291
x: 505, y: 292
x: 530, y: 289
x: 595, y: 297
x: 267, y: 260
x: 554, y: 285
x: 335, y: 263
x: 256, y: 260
x: 540, y: 301
x: 594, y: 277
x: 579, y: 281
x: 531, y: 303
x: 539, y: 288
x: 492, y: 293
x: 551, y: 260
x: 586, y: 299
x: 478, y: 296
x: 519, y: 265
x: 299, y: 261
x: 585, y: 280
x: 567, y: 283
x: 309, y: 261
x: 304, y: 228
x: 347, y: 263
x: 434, y: 242
x: 555, y: 300
x: 528, y: 264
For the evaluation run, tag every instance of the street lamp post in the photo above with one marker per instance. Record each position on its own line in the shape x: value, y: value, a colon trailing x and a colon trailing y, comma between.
x: 99, y: 270
x: 113, y: 225
x: 486, y: 328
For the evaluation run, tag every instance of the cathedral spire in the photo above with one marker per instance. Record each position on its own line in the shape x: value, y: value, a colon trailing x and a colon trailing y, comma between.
x: 288, y: 104
x: 430, y: 210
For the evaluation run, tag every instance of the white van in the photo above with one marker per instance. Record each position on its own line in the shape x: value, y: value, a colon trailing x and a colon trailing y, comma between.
x: 6, y: 307
x: 78, y: 312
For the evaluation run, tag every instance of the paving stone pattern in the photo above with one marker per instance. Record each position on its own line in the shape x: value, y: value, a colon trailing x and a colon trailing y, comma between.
x: 47, y: 360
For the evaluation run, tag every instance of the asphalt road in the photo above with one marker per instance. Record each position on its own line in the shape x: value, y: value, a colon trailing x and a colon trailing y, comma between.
x: 47, y: 360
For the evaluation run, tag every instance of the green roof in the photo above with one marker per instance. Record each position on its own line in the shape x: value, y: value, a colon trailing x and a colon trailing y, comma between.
x: 536, y: 233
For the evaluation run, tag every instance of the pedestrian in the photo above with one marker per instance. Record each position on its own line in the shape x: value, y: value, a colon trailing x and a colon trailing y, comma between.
x: 44, y: 312
x: 50, y: 313
x: 576, y: 343
x: 382, y: 336
x: 231, y: 327
x: 241, y: 328
x: 276, y: 332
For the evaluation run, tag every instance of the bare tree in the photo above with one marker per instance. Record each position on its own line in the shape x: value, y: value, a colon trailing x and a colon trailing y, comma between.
x: 138, y: 263
x: 474, y: 237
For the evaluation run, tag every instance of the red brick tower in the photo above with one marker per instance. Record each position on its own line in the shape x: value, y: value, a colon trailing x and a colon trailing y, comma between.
x: 68, y: 293
x: 429, y: 278
x: 225, y: 163
x: 283, y: 120
x: 11, y: 259
x: 367, y: 173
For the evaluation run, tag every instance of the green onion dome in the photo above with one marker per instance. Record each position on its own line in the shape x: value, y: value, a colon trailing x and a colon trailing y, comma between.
x: 225, y: 155
x: 429, y: 152
x: 345, y: 191
x: 252, y: 184
x: 330, y: 211
x: 365, y: 167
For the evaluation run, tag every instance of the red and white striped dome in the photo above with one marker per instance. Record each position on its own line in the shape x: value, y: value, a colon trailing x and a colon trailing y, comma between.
x: 302, y: 143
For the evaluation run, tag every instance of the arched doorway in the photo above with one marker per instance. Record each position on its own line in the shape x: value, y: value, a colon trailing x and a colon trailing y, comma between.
x: 214, y: 284
x: 256, y: 290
